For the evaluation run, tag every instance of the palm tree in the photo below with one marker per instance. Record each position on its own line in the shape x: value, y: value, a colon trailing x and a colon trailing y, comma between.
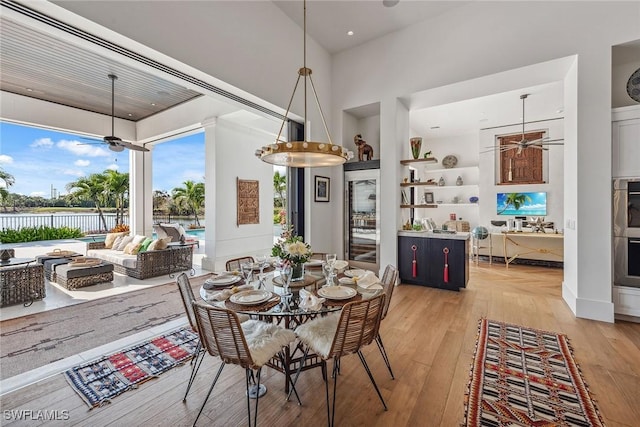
x: 8, y: 180
x: 191, y: 195
x: 117, y: 185
x: 90, y: 188
x: 516, y: 200
x: 280, y: 188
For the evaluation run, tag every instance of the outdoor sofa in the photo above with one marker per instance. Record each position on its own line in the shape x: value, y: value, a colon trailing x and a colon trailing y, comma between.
x: 141, y: 263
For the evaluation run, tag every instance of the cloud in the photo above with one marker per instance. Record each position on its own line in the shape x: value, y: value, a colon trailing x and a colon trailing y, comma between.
x: 193, y: 175
x: 82, y: 163
x: 38, y: 194
x: 113, y: 167
x: 42, y: 142
x: 73, y: 172
x: 83, y: 149
x: 5, y: 160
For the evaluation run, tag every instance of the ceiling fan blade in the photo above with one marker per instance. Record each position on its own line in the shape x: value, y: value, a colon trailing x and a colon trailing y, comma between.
x: 131, y: 146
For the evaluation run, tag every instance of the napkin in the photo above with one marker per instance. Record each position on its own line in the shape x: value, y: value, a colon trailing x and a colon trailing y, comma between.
x: 340, y: 264
x: 225, y: 294
x: 367, y: 280
x: 310, y: 302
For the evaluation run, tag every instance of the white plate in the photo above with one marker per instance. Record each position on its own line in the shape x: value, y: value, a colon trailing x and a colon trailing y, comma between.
x: 346, y: 281
x: 223, y: 281
x: 355, y: 273
x: 337, y: 292
x: 250, y: 297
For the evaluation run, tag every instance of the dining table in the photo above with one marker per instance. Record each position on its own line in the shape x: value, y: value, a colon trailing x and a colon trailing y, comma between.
x: 268, y: 301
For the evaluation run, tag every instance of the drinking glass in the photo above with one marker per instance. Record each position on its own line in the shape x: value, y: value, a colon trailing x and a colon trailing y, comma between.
x: 326, y: 270
x: 262, y: 262
x: 331, y: 259
x: 286, y: 272
x: 246, y: 269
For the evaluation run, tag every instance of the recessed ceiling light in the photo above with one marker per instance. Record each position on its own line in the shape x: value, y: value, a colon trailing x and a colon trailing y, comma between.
x: 153, y: 103
x: 434, y: 127
x: 390, y: 3
x: 559, y: 110
x: 130, y: 115
x: 29, y: 89
x: 349, y: 33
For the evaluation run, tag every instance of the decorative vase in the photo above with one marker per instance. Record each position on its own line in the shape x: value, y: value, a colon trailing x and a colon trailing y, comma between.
x: 459, y: 181
x: 297, y: 273
x: 441, y: 182
x: 416, y: 145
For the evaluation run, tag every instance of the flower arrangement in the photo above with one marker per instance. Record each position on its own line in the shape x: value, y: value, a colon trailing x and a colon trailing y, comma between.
x: 291, y: 248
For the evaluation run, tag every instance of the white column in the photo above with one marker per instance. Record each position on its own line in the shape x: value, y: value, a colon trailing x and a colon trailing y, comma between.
x: 209, y: 260
x: 140, y: 193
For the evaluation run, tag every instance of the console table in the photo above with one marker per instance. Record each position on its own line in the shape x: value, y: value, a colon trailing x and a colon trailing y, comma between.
x: 546, y: 246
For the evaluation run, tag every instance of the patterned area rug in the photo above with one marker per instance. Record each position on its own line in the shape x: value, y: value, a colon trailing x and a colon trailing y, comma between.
x: 526, y: 377
x: 35, y: 340
x: 98, y: 381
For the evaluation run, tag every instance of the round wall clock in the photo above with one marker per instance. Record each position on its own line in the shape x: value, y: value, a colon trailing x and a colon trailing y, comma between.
x: 633, y: 86
x: 449, y: 161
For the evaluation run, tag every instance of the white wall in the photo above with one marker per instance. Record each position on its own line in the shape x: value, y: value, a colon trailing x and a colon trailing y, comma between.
x: 486, y: 38
x: 234, y: 158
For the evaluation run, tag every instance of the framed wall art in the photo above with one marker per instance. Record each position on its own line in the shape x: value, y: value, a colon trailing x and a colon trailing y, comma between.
x: 322, y: 189
x: 248, y: 203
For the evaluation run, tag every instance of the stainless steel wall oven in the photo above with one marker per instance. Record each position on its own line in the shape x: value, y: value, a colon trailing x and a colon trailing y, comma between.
x: 626, y: 232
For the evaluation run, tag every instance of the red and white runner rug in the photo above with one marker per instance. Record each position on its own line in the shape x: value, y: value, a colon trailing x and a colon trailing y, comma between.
x: 526, y: 377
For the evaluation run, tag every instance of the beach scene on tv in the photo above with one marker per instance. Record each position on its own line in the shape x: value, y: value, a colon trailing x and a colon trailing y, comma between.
x: 533, y: 204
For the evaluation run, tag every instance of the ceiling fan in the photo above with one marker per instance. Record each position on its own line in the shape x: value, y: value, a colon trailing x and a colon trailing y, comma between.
x: 539, y: 143
x: 117, y: 144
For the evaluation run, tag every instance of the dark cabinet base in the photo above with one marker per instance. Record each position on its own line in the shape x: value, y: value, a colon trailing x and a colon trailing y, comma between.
x: 434, y: 262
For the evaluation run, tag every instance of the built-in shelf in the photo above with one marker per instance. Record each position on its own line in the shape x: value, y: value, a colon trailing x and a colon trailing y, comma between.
x: 458, y: 186
x: 417, y: 184
x: 457, y: 204
x: 451, y: 169
x: 427, y: 160
x: 419, y: 206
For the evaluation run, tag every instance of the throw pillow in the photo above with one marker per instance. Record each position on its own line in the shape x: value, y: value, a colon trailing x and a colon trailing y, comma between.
x: 116, y: 242
x: 123, y: 243
x: 162, y: 243
x: 110, y: 238
x: 130, y: 248
x: 145, y: 244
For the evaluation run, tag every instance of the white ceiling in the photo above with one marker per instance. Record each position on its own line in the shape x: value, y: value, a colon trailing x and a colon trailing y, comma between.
x: 328, y: 21
x: 543, y: 102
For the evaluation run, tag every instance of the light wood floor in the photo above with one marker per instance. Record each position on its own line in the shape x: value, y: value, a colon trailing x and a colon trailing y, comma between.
x: 430, y: 336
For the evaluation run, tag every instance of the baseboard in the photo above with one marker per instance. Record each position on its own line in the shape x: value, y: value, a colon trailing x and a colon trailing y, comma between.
x: 588, y: 309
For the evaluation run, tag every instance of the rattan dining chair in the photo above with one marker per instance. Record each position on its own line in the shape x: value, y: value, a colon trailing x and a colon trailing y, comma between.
x: 249, y: 344
x: 389, y: 280
x: 234, y: 264
x: 187, y: 299
x: 332, y: 337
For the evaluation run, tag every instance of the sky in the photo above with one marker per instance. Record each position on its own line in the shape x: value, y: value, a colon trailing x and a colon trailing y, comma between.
x: 42, y: 159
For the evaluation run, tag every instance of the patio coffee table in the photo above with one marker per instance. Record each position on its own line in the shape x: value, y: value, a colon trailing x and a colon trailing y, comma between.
x: 73, y: 276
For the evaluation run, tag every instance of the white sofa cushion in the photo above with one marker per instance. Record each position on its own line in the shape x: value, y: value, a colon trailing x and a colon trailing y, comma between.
x: 115, y: 257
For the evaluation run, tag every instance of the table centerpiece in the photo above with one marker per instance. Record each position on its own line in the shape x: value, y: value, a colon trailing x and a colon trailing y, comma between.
x: 292, y: 250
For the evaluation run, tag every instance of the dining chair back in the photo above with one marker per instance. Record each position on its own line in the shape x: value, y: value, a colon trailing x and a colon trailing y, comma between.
x: 389, y: 280
x: 249, y: 344
x: 358, y: 326
x: 234, y: 264
x: 337, y: 336
x: 186, y: 292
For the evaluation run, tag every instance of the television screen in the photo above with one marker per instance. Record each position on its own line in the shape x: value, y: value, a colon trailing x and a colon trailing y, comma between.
x: 527, y: 204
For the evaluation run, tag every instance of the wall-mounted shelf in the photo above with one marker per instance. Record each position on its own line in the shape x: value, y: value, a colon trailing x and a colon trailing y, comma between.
x: 419, y: 206
x: 418, y: 184
x: 457, y: 186
x: 458, y: 168
x: 427, y: 160
x: 457, y: 204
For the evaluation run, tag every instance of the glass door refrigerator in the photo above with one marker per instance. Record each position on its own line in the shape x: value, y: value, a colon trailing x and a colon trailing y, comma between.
x: 362, y: 218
